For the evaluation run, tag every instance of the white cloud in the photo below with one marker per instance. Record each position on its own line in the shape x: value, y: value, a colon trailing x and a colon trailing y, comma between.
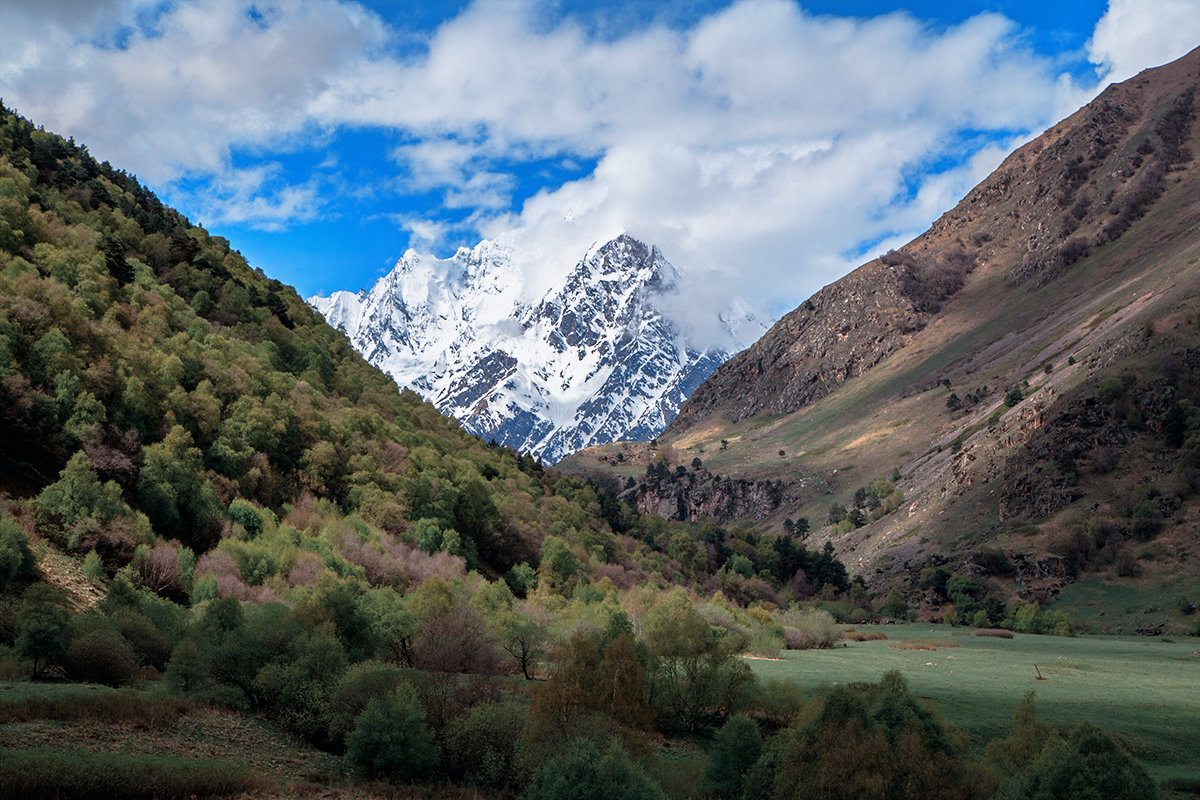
x: 184, y: 83
x: 760, y: 148
x: 754, y: 149
x: 257, y: 197
x: 1136, y: 34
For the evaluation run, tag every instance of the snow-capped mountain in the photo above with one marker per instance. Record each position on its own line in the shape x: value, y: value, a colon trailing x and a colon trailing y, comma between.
x: 594, y: 360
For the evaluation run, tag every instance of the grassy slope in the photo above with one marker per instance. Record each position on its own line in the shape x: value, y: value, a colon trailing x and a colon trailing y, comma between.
x: 1144, y: 691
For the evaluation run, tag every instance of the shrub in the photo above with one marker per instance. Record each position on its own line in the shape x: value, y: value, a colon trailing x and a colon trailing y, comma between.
x: 810, y: 630
x: 389, y: 740
x: 42, y: 629
x: 999, y: 633
x: 16, y: 560
x: 100, y: 655
x: 188, y: 668
x: 93, y: 567
x: 894, y: 605
x: 1090, y: 766
x: 481, y: 746
x: 357, y: 687
x: 922, y: 644
x: 77, y: 703
x: 1013, y: 396
x: 580, y: 773
x: 245, y: 514
x: 151, y: 647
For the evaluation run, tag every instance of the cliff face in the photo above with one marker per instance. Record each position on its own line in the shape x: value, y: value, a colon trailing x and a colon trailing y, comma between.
x: 694, y: 498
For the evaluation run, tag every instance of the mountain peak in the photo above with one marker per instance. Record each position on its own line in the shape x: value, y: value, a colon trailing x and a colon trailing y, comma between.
x: 595, y: 359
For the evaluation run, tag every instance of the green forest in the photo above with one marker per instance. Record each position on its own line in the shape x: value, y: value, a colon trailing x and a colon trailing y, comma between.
x: 208, y: 500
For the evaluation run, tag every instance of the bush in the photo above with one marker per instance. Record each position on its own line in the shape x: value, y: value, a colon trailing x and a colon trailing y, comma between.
x: 1013, y: 396
x: 42, y: 628
x: 580, y: 773
x: 357, y: 687
x: 389, y: 740
x: 999, y: 633
x: 150, y: 646
x: 188, y: 668
x: 481, y: 746
x: 100, y: 655
x: 77, y: 703
x: 810, y: 630
x: 1090, y: 766
x: 895, y: 605
x: 735, y: 749
x: 93, y: 568
x: 17, y: 563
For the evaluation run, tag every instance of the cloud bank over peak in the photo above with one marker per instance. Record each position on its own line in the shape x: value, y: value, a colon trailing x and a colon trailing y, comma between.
x: 764, y: 148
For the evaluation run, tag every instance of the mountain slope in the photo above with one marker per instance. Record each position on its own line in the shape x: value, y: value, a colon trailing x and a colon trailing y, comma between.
x: 594, y: 360
x: 158, y: 392
x: 1021, y: 376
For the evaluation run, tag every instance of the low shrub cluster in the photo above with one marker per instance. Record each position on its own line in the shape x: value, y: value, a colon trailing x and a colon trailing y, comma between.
x: 53, y: 774
x: 999, y: 633
x: 75, y: 704
x: 923, y: 644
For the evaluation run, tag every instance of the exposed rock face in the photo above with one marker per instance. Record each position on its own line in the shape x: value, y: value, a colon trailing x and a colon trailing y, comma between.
x: 1077, y: 434
x: 594, y: 360
x: 842, y: 331
x: 691, y: 497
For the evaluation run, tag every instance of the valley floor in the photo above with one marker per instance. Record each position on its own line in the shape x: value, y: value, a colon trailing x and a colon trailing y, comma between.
x: 1145, y: 690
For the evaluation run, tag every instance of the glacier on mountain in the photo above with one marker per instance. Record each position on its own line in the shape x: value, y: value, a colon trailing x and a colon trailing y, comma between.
x: 593, y: 360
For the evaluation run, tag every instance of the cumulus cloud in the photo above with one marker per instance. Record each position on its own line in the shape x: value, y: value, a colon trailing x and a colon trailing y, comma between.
x: 1135, y: 34
x: 757, y: 149
x: 766, y: 150
x: 174, y: 88
x: 257, y: 197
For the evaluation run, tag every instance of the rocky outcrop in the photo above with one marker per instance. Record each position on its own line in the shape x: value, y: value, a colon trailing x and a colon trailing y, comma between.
x: 1080, y: 432
x: 691, y: 497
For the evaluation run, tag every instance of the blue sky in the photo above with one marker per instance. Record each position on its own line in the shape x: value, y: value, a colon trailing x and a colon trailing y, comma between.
x: 767, y: 146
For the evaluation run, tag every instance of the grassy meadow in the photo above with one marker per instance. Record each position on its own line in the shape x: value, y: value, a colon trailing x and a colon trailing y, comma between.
x: 1145, y: 690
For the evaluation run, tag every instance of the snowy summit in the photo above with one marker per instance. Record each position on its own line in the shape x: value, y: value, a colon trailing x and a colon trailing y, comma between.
x: 596, y: 359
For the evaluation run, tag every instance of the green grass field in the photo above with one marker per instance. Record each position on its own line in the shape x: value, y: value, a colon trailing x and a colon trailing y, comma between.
x: 1146, y: 691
